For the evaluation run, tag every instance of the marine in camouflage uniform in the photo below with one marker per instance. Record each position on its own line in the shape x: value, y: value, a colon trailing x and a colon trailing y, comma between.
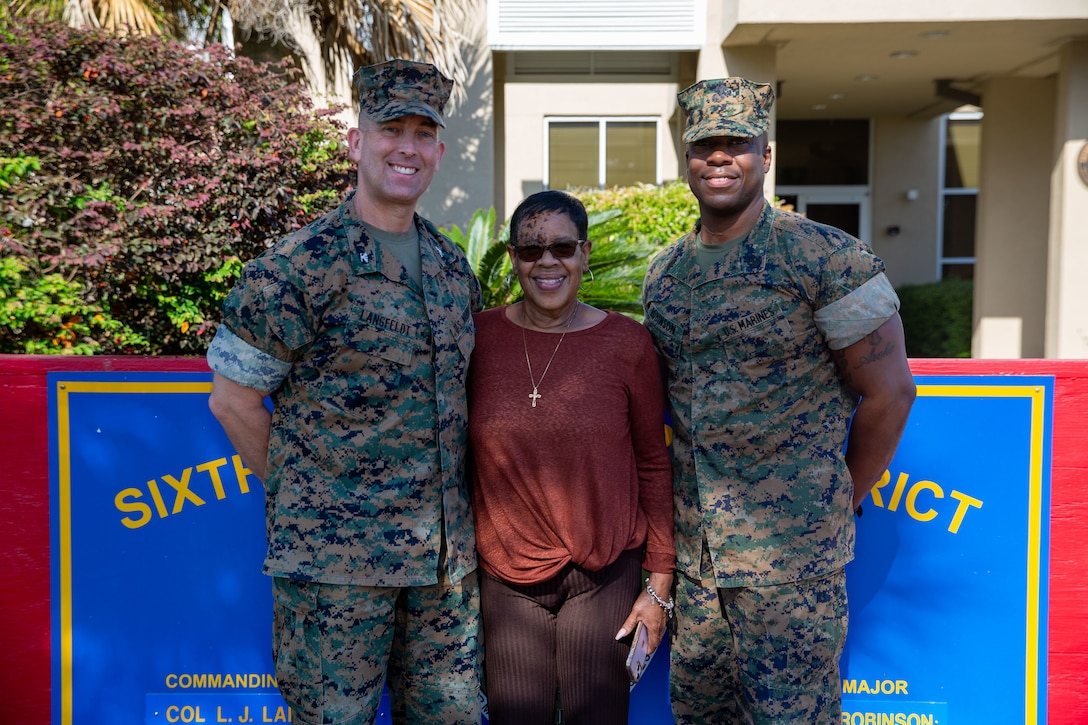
x: 364, y: 350
x: 770, y: 326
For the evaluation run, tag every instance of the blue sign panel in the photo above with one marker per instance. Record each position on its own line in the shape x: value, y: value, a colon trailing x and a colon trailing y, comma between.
x: 157, y: 531
x: 161, y: 614
x: 948, y: 589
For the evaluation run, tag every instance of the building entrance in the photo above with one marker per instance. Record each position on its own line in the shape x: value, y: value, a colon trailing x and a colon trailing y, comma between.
x: 845, y: 207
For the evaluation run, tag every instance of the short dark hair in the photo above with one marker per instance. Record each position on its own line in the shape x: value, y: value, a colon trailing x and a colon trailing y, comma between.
x: 543, y: 202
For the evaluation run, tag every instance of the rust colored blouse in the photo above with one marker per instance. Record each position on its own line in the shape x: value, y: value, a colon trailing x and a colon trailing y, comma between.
x: 585, y: 474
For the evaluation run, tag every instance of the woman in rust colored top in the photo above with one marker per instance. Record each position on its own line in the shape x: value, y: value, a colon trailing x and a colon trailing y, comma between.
x: 572, y: 488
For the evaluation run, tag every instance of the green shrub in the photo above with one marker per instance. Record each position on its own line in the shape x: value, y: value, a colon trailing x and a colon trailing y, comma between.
x: 937, y: 318
x: 45, y: 314
x: 136, y: 175
x: 485, y: 249
x: 656, y: 214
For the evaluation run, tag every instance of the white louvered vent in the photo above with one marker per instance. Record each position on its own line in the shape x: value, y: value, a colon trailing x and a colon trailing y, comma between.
x: 593, y: 63
x: 600, y: 24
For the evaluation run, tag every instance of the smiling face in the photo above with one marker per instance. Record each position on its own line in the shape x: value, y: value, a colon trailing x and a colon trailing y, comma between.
x: 550, y: 284
x: 726, y: 174
x: 397, y: 159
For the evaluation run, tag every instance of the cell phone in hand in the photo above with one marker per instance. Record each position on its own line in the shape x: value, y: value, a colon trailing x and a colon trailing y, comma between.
x: 638, y: 659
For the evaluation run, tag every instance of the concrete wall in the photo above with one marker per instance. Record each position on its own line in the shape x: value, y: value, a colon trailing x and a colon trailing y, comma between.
x: 1067, y: 292
x: 864, y: 11
x: 1012, y: 218
x: 905, y: 155
x: 1032, y: 243
x: 465, y: 181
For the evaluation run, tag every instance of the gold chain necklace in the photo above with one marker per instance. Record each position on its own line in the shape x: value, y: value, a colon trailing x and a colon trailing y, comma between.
x: 535, y: 396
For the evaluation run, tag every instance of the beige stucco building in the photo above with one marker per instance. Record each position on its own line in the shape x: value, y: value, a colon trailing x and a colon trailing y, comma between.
x: 953, y: 136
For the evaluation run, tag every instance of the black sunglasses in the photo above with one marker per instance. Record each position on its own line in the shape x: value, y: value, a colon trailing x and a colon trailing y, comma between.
x: 559, y: 250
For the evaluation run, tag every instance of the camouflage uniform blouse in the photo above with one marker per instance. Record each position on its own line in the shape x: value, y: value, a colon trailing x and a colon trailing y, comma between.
x: 758, y: 410
x: 366, y: 455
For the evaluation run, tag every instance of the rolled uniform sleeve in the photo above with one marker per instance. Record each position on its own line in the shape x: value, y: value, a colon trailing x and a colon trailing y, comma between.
x: 266, y: 325
x: 851, y: 318
x: 234, y: 358
x: 366, y: 372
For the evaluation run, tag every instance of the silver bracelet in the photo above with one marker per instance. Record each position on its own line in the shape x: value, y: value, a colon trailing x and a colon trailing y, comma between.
x: 667, y: 606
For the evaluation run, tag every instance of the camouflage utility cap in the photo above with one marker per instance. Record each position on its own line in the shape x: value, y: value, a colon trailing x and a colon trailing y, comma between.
x: 726, y: 107
x: 402, y: 88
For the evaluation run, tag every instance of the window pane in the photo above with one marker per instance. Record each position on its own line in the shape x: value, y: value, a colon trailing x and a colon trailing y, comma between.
x: 959, y: 225
x: 572, y: 155
x: 962, y: 154
x: 957, y: 271
x: 630, y: 153
x: 845, y: 216
x: 822, y: 152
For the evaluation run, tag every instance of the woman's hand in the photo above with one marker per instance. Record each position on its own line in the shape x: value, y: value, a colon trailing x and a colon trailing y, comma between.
x: 649, y: 612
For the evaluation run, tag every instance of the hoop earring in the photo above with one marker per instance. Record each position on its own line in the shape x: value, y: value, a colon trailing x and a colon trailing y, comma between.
x: 581, y: 282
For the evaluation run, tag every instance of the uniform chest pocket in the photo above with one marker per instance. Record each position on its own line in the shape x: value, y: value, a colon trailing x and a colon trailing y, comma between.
x: 667, y: 332
x: 371, y: 373
x: 364, y: 346
x: 759, y: 334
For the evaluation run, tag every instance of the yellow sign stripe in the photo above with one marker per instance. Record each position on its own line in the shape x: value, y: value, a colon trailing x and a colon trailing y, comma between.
x: 1036, y: 395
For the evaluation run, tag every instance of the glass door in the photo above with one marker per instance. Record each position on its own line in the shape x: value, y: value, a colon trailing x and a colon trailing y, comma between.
x: 845, y: 207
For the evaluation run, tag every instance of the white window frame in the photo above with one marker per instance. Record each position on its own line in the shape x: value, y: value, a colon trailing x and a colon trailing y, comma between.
x: 845, y: 194
x: 957, y: 191
x: 602, y: 150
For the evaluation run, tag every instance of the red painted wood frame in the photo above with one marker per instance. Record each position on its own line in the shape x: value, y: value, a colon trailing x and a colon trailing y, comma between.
x: 24, y: 522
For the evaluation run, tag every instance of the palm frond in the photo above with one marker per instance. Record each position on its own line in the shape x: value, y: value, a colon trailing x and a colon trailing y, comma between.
x: 480, y: 236
x: 37, y: 9
x: 173, y: 18
x: 361, y: 32
x: 496, y: 277
x: 618, y: 262
x: 486, y: 253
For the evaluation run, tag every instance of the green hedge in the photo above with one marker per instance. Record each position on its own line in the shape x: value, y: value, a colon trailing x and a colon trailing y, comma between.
x: 656, y: 214
x: 937, y: 318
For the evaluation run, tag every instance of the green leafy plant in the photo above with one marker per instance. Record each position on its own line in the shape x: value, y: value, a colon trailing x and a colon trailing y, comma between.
x: 45, y: 314
x: 11, y: 170
x: 485, y: 249
x: 618, y: 262
x: 627, y: 226
x: 136, y: 175
x: 937, y: 318
x: 656, y: 214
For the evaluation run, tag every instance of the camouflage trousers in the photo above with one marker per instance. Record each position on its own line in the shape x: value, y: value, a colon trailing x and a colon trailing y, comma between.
x: 335, y: 645
x: 759, y: 655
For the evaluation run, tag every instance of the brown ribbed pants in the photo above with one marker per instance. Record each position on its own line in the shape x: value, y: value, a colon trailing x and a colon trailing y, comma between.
x: 559, y: 633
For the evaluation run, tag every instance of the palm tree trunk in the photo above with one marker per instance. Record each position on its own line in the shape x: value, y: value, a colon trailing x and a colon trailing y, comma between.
x: 327, y: 69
